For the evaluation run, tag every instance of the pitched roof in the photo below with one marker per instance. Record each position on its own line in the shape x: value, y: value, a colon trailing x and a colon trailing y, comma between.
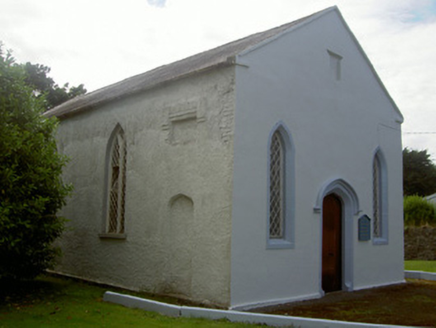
x: 218, y: 57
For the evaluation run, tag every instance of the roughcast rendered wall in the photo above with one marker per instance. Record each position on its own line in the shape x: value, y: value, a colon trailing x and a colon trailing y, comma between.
x: 178, y: 190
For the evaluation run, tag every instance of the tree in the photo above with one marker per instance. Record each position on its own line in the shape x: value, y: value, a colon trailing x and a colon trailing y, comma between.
x: 31, y: 189
x: 419, y: 173
x: 44, y: 86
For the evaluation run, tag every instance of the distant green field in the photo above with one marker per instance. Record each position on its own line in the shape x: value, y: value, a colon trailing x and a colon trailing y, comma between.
x: 429, y: 266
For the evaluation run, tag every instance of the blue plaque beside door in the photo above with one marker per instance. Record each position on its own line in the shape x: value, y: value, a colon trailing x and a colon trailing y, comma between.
x: 364, y: 228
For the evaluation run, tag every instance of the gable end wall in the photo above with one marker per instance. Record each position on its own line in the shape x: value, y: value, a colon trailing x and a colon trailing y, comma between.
x: 336, y: 123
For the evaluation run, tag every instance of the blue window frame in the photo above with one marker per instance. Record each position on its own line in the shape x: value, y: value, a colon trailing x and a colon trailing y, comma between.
x: 280, y: 223
x: 380, y: 199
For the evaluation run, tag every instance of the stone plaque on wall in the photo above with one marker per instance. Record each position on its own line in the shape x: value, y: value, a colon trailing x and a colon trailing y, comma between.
x: 364, y: 224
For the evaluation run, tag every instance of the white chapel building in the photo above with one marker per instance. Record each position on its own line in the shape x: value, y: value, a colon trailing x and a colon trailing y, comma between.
x: 263, y: 171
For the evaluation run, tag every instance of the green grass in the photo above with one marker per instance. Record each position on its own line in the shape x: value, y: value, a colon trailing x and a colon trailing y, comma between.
x: 58, y: 302
x: 429, y: 266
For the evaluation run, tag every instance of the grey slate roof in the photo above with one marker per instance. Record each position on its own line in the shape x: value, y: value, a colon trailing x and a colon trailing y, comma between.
x: 218, y: 57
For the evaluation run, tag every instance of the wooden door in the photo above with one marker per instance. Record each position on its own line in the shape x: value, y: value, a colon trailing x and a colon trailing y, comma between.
x: 331, y: 244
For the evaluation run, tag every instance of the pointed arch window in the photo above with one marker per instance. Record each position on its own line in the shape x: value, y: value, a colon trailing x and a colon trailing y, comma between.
x: 379, y: 199
x: 276, y: 200
x: 116, y: 183
x: 280, y: 189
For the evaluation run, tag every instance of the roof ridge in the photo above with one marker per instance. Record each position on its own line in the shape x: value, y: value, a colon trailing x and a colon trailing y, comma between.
x: 208, y: 59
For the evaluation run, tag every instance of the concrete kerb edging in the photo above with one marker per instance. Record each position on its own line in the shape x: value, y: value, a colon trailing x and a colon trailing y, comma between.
x: 420, y: 275
x: 143, y: 304
x: 234, y: 316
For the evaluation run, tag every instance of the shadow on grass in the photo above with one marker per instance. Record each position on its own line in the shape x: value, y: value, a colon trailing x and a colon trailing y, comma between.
x: 31, y: 291
x: 52, y: 301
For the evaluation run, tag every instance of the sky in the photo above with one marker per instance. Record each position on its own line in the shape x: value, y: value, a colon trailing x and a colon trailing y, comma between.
x: 101, y: 42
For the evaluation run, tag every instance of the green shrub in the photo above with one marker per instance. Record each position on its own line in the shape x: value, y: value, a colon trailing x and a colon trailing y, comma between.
x: 31, y: 189
x: 418, y: 211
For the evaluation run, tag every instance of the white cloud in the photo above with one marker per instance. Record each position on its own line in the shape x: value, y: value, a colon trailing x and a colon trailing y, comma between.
x: 157, y: 3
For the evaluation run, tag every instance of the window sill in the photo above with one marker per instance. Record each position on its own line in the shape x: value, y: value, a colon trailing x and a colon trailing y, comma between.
x: 112, y: 235
x: 279, y: 244
x: 380, y: 241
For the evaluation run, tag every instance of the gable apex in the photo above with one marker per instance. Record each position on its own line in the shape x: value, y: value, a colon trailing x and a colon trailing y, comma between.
x: 400, y: 117
x: 287, y: 28
x: 291, y: 27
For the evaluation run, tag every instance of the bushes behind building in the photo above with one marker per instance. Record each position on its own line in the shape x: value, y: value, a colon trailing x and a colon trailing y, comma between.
x: 419, y: 212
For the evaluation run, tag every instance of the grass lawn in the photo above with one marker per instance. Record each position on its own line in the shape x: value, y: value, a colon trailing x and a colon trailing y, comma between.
x: 52, y: 301
x: 429, y: 266
x: 58, y: 302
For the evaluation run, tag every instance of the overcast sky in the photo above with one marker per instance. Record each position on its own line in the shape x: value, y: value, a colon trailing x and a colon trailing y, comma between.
x: 99, y: 42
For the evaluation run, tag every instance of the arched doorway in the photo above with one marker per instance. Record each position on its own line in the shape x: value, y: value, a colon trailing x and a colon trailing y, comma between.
x: 331, y: 243
x: 349, y: 208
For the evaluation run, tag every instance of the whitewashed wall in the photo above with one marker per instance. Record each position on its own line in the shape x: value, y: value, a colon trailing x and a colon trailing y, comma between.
x: 178, y: 192
x: 196, y: 195
x: 336, y: 127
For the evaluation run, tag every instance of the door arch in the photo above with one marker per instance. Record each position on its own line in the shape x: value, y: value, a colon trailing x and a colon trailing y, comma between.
x: 331, y: 244
x: 349, y: 208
